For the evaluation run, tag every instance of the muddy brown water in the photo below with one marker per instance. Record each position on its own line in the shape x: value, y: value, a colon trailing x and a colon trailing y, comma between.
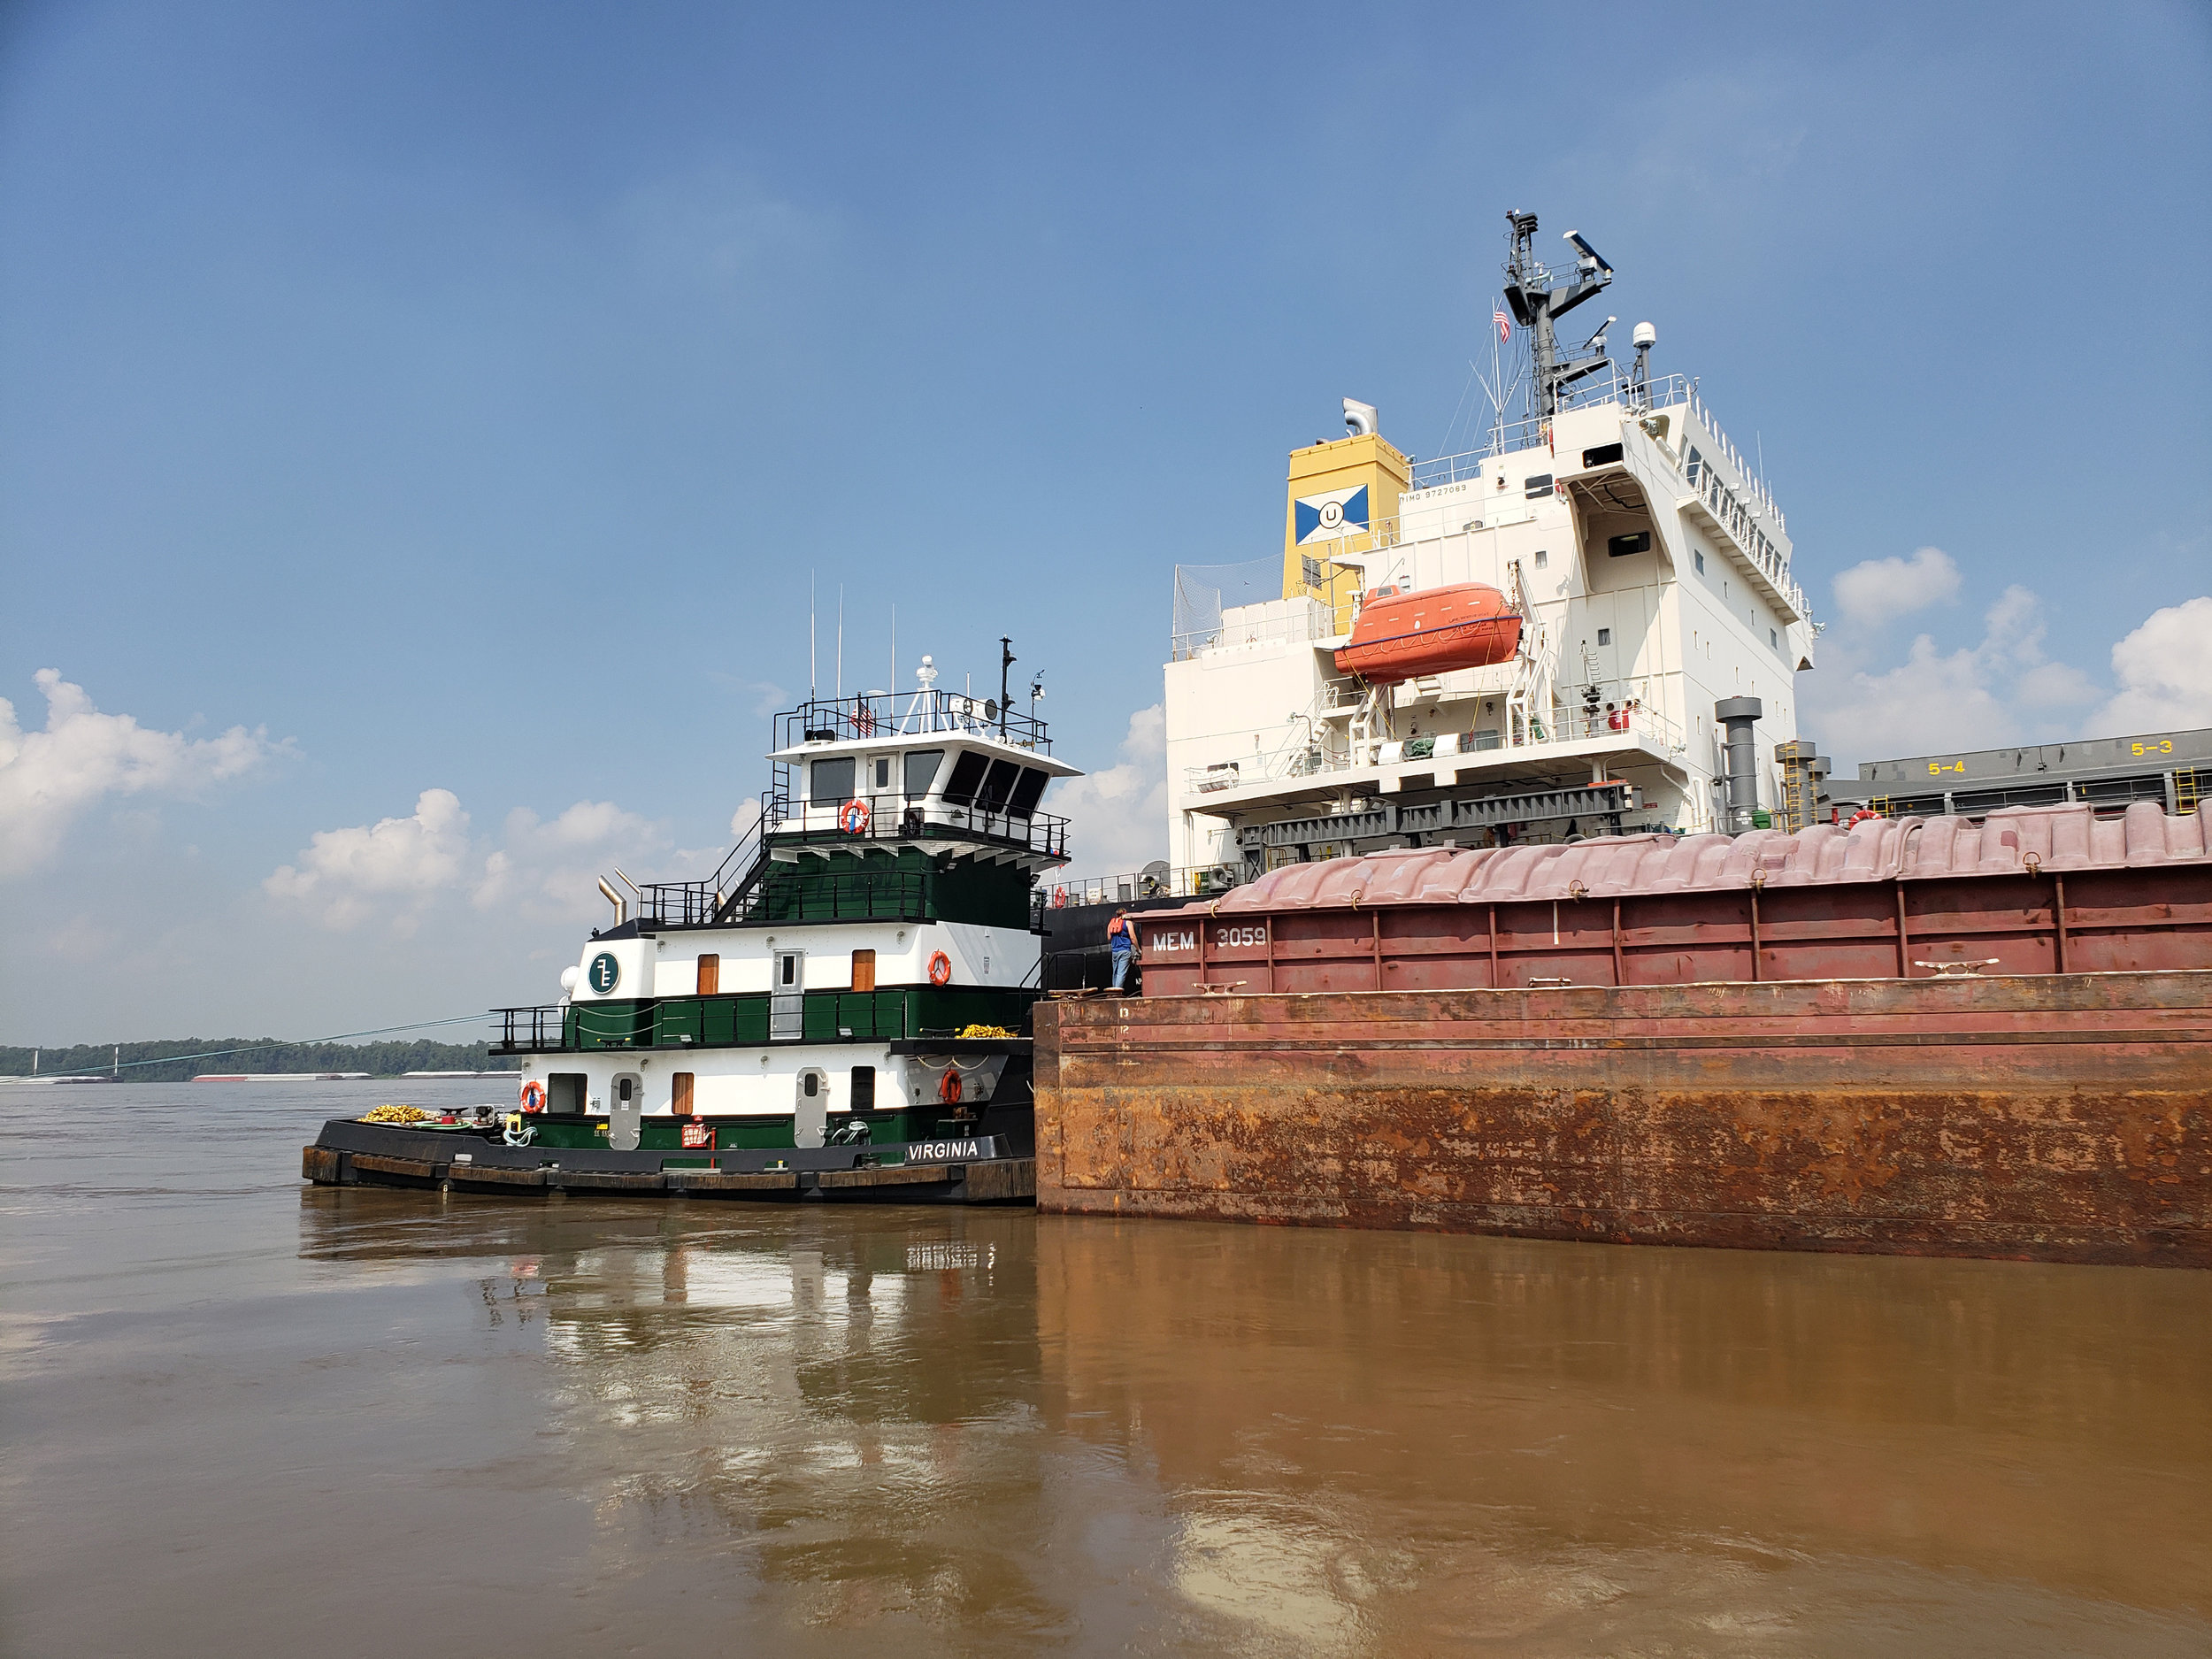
x: 249, y: 1418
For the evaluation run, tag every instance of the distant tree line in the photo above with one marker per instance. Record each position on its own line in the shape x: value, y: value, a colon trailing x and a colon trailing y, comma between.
x: 251, y: 1054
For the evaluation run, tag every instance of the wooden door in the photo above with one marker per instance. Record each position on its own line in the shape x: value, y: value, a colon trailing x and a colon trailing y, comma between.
x: 680, y: 1093
x: 863, y: 970
x: 710, y: 974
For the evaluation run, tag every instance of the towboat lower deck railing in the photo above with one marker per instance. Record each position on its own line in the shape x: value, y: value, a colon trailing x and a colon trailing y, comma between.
x: 758, y: 1018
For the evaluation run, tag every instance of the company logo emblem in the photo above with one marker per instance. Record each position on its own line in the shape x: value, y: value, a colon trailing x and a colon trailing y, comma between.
x: 1338, y: 512
x: 604, y: 973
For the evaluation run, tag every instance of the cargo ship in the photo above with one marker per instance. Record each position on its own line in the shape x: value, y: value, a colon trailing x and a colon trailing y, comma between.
x: 840, y: 1011
x: 1515, y: 911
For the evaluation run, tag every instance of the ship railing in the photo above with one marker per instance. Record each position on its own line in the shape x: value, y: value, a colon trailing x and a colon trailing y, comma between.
x: 1157, y: 881
x: 1298, y: 627
x: 1630, y: 718
x: 864, y: 715
x: 1610, y: 385
x: 738, y: 892
x: 528, y: 1030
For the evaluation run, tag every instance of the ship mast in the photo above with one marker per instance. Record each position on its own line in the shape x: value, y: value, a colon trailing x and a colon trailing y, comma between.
x: 1538, y: 302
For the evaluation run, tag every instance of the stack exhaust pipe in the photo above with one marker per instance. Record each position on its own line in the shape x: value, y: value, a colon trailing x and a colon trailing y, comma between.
x: 1739, y: 715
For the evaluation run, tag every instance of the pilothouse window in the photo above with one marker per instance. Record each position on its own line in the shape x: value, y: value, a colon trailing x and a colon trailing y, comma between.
x: 997, y: 785
x: 1026, y: 793
x: 830, y: 782
x: 967, y: 777
x: 921, y: 771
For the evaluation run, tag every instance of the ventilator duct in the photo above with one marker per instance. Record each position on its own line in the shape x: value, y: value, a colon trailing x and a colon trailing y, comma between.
x: 1359, y: 419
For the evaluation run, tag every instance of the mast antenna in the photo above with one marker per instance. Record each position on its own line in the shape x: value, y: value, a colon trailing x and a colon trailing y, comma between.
x: 1538, y: 301
x: 812, y: 680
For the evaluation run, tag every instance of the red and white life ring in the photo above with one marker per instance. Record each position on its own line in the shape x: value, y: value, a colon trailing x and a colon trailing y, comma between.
x: 949, y: 1088
x: 939, y: 968
x: 533, y: 1096
x: 1059, y: 898
x: 853, y: 817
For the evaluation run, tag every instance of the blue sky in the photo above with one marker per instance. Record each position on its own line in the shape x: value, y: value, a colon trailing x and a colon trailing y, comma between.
x: 458, y: 399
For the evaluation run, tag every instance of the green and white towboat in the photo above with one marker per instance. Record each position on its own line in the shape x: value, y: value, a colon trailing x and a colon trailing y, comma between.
x: 841, y: 1011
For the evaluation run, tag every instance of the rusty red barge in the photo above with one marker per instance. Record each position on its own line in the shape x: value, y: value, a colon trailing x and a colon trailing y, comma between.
x: 1912, y: 1035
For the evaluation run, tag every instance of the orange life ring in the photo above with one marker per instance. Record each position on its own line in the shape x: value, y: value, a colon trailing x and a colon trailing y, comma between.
x: 853, y: 817
x: 948, y: 1088
x: 1059, y: 898
x: 939, y: 968
x: 533, y: 1096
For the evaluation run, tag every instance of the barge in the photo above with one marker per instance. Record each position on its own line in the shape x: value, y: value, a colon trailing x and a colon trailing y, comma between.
x: 1917, y: 1036
x: 841, y: 1011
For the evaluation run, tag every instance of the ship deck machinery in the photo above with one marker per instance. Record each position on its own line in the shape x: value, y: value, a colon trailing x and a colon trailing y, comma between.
x: 841, y: 1011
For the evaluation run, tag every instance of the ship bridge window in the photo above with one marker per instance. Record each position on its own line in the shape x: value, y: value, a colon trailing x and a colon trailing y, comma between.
x: 1027, y: 792
x: 1634, y: 541
x: 998, y: 783
x: 830, y: 782
x: 921, y: 771
x: 967, y: 777
x: 1604, y: 455
x: 883, y: 772
x: 1542, y: 558
x: 1540, y: 484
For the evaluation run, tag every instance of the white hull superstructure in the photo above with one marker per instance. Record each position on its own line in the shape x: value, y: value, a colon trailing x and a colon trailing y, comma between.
x: 1652, y: 573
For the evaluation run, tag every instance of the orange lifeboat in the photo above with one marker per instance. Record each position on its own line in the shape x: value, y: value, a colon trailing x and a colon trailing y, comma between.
x: 1399, y: 634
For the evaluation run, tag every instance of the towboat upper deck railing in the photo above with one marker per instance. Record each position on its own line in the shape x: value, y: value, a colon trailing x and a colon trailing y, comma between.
x: 892, y: 714
x: 790, y: 834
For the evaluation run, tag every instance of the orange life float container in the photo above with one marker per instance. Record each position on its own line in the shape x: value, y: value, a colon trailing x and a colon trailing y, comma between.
x: 1430, y: 631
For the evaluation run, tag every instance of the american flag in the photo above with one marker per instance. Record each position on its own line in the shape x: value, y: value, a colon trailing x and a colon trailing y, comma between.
x: 1504, y: 323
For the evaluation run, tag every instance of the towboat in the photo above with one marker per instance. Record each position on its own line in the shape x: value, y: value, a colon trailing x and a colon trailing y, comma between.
x: 840, y: 1011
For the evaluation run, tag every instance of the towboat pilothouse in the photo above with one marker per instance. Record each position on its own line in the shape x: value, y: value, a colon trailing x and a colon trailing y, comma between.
x: 840, y: 1011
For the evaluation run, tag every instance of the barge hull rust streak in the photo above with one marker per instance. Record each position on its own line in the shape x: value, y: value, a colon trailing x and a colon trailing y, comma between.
x: 2053, y: 1117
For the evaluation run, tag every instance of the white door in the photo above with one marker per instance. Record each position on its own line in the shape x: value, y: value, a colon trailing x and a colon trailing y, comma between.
x: 786, y: 997
x: 809, y: 1119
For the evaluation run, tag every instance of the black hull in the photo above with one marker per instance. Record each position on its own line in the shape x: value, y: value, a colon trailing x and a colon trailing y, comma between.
x: 996, y: 1169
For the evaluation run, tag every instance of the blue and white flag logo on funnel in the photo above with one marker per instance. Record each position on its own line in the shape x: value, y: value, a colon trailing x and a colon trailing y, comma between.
x: 1325, y: 518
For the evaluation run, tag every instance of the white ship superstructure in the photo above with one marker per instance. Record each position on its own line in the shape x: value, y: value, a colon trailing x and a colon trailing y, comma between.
x: 1652, y: 569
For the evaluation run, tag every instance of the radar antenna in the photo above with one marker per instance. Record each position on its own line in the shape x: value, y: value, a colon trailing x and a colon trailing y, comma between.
x: 1538, y: 302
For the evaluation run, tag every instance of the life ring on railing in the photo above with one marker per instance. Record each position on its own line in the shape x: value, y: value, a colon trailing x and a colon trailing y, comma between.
x: 1059, y: 898
x: 533, y: 1096
x: 949, y: 1088
x: 939, y: 968
x: 853, y: 817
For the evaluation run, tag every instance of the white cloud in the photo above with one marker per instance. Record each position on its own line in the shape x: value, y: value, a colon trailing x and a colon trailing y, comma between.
x: 2165, y: 671
x: 1881, y: 590
x: 551, y: 871
x: 398, y: 868
x: 49, y: 778
x: 1117, y: 818
x: 1975, y: 698
x: 399, y: 865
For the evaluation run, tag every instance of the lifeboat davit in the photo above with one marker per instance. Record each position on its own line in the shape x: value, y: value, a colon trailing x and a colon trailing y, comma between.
x: 1431, y: 631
